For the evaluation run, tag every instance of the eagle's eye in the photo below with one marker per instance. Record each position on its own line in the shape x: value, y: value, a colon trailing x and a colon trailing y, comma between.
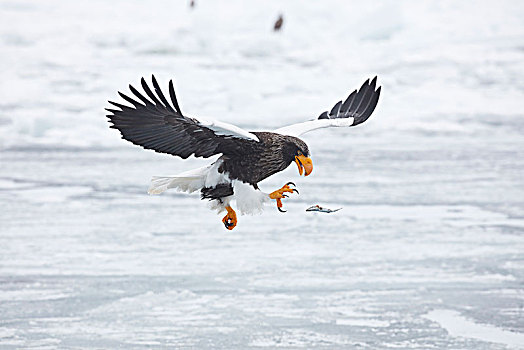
x: 299, y: 153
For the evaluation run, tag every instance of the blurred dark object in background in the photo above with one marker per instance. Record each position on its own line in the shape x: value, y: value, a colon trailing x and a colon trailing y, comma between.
x: 278, y: 23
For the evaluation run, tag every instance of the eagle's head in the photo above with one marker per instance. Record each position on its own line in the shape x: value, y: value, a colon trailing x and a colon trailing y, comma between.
x: 296, y: 150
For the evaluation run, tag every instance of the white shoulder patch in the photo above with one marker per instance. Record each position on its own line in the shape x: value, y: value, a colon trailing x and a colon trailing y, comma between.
x: 226, y: 129
x: 301, y: 128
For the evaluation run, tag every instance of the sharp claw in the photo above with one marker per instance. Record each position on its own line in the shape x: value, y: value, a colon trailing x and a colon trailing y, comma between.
x: 280, y: 210
x: 229, y: 220
x: 291, y: 183
x: 295, y: 190
x: 285, y: 196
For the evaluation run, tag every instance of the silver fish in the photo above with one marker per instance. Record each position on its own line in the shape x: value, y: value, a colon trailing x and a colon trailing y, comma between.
x: 321, y: 209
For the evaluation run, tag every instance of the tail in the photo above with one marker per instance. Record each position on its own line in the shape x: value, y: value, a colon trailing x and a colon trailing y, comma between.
x: 189, y: 181
x: 159, y: 184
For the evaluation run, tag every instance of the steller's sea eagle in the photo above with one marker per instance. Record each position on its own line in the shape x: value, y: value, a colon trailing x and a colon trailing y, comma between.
x: 247, y: 157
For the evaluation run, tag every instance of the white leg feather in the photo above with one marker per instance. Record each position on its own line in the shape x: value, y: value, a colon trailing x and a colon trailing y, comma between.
x: 220, y: 206
x: 249, y: 200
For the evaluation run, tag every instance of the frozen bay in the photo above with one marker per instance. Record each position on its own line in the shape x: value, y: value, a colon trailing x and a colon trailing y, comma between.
x: 427, y: 252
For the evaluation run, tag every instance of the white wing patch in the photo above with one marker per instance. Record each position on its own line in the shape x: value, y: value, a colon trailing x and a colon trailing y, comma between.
x: 226, y: 129
x: 356, y: 109
x: 301, y: 128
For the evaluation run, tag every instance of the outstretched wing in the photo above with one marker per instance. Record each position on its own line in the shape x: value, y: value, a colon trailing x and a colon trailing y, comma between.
x: 356, y: 109
x: 154, y: 124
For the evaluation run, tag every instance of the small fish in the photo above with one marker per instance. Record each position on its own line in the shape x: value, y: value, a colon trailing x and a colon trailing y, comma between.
x: 321, y: 209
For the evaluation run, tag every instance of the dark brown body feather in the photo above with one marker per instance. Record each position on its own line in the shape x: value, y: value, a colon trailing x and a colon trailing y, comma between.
x: 260, y: 160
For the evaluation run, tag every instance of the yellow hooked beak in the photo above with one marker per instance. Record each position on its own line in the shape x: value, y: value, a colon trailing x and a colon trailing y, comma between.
x: 304, y: 164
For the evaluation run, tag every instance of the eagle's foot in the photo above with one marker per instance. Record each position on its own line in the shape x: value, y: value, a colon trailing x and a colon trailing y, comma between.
x: 281, y: 193
x: 230, y: 220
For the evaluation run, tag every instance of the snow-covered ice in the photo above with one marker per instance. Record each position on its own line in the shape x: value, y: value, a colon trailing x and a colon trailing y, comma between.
x: 427, y: 253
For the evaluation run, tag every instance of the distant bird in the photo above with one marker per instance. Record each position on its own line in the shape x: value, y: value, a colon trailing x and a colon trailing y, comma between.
x: 278, y: 23
x: 192, y: 3
x: 246, y: 157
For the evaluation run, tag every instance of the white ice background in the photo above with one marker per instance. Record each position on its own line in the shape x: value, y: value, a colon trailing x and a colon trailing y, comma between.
x: 427, y: 252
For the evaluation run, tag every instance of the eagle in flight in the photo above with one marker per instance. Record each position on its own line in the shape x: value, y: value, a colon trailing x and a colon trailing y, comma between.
x: 246, y: 157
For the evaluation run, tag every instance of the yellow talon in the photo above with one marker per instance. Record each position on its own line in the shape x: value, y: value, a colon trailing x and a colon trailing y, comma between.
x: 230, y: 220
x: 280, y: 193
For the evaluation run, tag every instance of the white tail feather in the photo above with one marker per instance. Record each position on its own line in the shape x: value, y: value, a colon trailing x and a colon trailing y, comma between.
x: 248, y: 199
x: 189, y: 181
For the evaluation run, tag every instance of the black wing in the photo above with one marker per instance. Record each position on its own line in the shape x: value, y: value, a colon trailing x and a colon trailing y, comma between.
x: 359, y: 104
x: 154, y: 124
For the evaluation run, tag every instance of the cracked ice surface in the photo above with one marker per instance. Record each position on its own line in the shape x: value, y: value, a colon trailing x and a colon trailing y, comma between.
x: 427, y: 252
